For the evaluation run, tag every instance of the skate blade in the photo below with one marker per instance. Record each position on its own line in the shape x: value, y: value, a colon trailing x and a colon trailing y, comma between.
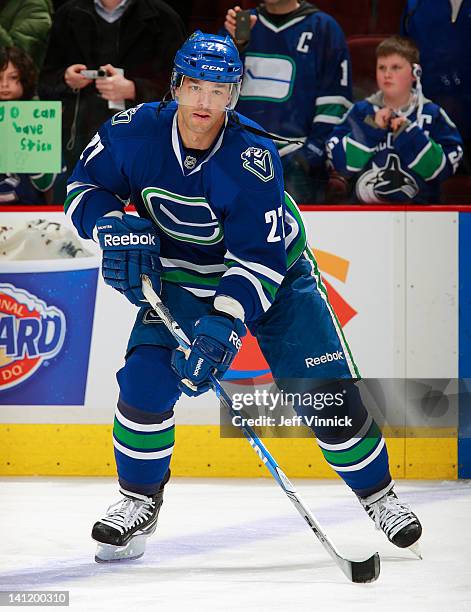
x: 415, y: 549
x: 135, y: 548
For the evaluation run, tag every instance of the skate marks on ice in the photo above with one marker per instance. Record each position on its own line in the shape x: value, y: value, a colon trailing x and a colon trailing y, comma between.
x: 272, y: 553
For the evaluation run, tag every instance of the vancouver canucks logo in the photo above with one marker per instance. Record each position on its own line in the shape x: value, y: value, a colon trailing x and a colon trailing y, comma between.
x: 259, y: 162
x: 125, y: 116
x: 389, y: 182
x: 183, y: 218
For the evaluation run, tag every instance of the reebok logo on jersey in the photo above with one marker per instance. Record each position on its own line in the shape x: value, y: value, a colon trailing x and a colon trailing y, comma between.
x: 199, y: 363
x: 312, y: 362
x: 129, y: 240
x: 236, y: 341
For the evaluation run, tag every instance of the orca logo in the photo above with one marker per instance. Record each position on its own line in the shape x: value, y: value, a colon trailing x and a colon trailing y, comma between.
x: 30, y: 332
x: 259, y: 162
x: 389, y: 182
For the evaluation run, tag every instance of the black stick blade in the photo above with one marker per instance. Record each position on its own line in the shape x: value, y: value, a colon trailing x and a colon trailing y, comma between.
x: 365, y: 571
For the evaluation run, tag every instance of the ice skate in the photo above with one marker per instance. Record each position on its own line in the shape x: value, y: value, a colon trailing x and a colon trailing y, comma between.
x: 122, y: 533
x: 394, y: 518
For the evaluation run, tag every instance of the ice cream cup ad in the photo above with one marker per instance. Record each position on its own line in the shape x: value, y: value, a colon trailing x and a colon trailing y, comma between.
x: 48, y: 284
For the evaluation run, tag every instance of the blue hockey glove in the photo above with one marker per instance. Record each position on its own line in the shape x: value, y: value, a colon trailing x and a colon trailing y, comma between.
x: 217, y: 341
x: 130, y: 248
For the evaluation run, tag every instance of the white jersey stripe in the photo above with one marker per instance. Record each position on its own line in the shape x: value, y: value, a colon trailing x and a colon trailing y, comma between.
x: 257, y: 267
x: 255, y: 282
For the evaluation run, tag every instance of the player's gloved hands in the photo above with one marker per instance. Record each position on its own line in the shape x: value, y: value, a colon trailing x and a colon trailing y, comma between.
x: 130, y: 248
x: 217, y: 341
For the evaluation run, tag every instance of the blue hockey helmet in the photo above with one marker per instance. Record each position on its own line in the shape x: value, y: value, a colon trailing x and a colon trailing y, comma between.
x: 209, y: 57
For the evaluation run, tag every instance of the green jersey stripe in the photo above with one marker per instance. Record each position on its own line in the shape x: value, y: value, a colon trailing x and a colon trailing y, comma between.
x: 297, y: 247
x: 430, y: 160
x: 356, y: 156
x: 333, y: 110
x: 181, y: 277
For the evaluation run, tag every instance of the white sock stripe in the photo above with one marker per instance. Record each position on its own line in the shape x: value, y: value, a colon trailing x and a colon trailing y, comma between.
x: 142, y: 455
x: 362, y: 464
x: 349, y: 443
x: 153, y: 427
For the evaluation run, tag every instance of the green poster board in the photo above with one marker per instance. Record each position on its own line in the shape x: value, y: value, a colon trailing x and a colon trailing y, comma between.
x: 30, y: 137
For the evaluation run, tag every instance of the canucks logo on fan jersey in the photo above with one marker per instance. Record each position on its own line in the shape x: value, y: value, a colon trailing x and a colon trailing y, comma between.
x: 383, y: 182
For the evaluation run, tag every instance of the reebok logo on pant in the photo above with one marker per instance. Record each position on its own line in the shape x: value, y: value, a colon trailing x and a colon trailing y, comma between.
x: 312, y: 362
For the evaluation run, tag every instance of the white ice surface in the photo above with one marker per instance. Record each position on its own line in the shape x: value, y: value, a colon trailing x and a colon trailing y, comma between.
x: 237, y: 545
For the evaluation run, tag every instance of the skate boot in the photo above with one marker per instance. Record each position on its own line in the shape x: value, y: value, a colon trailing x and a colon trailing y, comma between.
x: 396, y: 519
x: 123, y: 532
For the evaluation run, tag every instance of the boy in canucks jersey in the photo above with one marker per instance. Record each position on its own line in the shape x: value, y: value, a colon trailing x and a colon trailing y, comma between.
x: 396, y: 145
x: 297, y: 85
x: 226, y: 249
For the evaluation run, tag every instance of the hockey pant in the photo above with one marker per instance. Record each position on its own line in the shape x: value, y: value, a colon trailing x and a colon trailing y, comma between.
x: 305, y: 348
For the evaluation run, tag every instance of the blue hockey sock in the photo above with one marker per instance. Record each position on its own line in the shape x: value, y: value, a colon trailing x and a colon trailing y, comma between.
x: 144, y: 425
x: 351, y: 441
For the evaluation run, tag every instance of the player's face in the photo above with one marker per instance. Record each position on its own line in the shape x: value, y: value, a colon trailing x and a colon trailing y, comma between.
x: 202, y: 104
x: 10, y: 84
x: 394, y: 76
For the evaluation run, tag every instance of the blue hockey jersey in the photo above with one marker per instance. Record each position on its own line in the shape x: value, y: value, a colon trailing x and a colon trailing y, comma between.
x: 408, y: 166
x: 297, y: 78
x: 225, y: 224
x: 442, y: 31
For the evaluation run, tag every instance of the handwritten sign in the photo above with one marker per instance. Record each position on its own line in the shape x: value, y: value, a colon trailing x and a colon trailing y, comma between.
x: 30, y: 137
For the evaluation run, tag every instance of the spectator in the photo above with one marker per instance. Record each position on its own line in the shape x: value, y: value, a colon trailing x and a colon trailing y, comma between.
x: 138, y: 37
x: 442, y: 31
x: 18, y: 82
x: 26, y: 24
x: 296, y: 85
x: 396, y: 145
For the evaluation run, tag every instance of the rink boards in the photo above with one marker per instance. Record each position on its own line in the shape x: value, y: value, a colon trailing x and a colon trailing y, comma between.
x: 398, y: 281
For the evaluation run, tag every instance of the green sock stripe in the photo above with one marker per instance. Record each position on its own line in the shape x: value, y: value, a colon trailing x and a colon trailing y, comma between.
x: 358, y: 453
x: 143, y: 441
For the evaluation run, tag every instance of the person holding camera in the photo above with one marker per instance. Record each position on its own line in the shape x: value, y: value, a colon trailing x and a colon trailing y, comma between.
x: 396, y: 145
x: 297, y: 84
x: 105, y: 56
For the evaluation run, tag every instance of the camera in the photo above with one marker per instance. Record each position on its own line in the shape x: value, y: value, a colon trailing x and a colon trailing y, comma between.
x: 93, y: 74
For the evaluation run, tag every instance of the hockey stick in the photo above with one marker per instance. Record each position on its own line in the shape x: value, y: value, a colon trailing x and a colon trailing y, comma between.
x: 356, y: 571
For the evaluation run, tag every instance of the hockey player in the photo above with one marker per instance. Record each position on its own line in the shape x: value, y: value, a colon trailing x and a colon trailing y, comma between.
x: 297, y: 84
x: 226, y: 248
x: 396, y: 145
